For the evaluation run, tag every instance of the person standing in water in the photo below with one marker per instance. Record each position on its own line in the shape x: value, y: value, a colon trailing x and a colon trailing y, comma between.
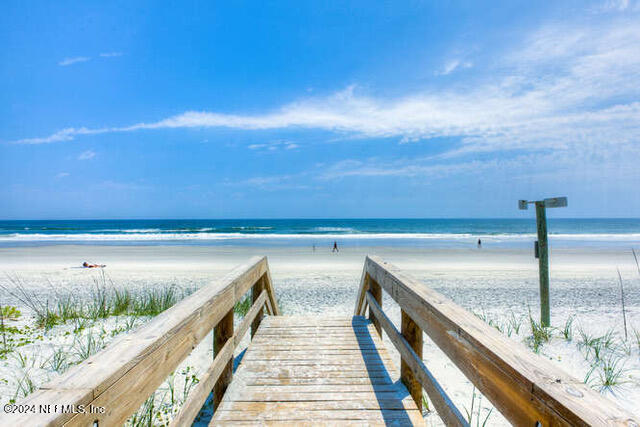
x: 335, y: 247
x: 479, y: 244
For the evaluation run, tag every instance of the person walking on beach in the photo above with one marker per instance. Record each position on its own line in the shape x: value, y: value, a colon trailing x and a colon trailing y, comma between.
x: 335, y: 247
x: 479, y: 244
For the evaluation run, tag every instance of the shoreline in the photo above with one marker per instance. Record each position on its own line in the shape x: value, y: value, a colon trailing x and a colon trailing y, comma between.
x: 292, y: 258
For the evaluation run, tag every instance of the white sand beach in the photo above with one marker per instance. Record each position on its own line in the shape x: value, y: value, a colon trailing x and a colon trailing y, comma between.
x: 498, y: 284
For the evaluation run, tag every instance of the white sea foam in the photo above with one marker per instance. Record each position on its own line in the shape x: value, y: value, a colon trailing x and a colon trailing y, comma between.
x: 325, y: 229
x: 204, y: 236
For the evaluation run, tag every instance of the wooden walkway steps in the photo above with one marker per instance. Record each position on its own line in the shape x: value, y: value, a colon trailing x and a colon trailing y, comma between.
x: 317, y: 370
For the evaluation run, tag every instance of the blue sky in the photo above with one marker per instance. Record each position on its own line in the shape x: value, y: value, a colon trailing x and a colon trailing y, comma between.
x: 318, y: 109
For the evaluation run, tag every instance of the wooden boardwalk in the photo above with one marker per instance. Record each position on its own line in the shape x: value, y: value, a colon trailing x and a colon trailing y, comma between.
x: 317, y: 370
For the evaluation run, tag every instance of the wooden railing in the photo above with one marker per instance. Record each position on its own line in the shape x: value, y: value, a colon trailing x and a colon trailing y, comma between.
x: 526, y: 388
x: 123, y: 375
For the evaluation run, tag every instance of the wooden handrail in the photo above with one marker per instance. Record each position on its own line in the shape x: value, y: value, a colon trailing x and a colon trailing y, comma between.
x: 121, y: 377
x: 191, y: 407
x: 443, y: 404
x: 526, y: 388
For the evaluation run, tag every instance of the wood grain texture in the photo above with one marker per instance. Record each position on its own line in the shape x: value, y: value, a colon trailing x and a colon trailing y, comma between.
x: 443, y: 404
x: 124, y: 374
x: 523, y: 386
x: 300, y: 384
x: 376, y: 291
x: 222, y: 334
x: 221, y: 363
x: 413, y: 334
x: 256, y: 292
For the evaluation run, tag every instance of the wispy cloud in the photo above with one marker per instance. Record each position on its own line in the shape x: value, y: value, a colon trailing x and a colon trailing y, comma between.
x: 274, y: 146
x: 62, y: 174
x: 453, y: 65
x: 563, y: 85
x: 76, y: 59
x: 272, y: 183
x: 552, y: 165
x: 87, y: 155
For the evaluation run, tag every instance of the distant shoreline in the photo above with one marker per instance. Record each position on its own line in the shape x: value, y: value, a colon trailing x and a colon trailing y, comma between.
x: 306, y: 232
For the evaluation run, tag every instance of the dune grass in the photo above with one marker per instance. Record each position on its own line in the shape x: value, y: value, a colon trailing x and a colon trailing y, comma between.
x: 105, y: 300
x: 242, y: 307
x: 567, y: 330
x: 539, y: 334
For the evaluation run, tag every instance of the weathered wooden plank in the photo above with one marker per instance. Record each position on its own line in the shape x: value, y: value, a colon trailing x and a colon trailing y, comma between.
x: 322, y: 380
x: 305, y: 322
x: 249, y: 318
x: 413, y: 334
x: 395, y: 417
x: 346, y: 354
x: 249, y: 395
x: 445, y: 407
x: 319, y: 365
x: 322, y: 360
x: 525, y: 387
x: 324, y: 388
x: 315, y: 405
x: 256, y: 293
x: 376, y: 291
x: 222, y: 334
x: 316, y: 334
x: 191, y: 407
x: 320, y: 347
x: 317, y: 372
x: 168, y: 338
x: 257, y: 350
x: 199, y: 395
x: 362, y: 289
x: 268, y: 284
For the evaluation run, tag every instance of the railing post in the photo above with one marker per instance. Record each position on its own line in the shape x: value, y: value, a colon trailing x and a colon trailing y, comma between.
x: 376, y: 291
x: 413, y: 334
x: 221, y: 333
x: 256, y: 290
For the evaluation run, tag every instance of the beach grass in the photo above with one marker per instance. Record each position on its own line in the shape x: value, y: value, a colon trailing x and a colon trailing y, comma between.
x: 90, y: 321
x: 567, y: 330
x: 242, y: 307
x: 539, y: 334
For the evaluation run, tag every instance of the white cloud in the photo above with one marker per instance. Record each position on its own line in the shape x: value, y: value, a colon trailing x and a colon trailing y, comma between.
x: 273, y: 146
x: 62, y: 174
x: 453, y: 65
x: 69, y: 61
x: 87, y: 155
x: 563, y: 85
x: 555, y: 165
x: 110, y: 54
x: 272, y: 183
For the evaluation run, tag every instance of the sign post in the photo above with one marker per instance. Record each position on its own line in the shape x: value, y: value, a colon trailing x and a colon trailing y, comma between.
x: 543, y: 263
x: 542, y: 250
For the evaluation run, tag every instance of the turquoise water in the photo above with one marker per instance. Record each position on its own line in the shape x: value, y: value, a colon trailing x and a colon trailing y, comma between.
x: 382, y: 232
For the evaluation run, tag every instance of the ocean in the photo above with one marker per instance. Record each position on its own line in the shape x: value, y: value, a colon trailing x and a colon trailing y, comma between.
x: 320, y: 232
